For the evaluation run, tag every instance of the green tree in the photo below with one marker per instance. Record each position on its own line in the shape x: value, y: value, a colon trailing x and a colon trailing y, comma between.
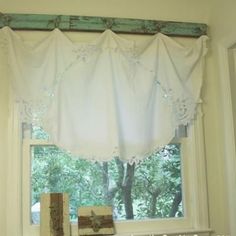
x: 150, y: 189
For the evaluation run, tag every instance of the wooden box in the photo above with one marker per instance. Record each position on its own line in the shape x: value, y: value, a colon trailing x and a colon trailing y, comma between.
x: 54, y: 214
x: 95, y: 220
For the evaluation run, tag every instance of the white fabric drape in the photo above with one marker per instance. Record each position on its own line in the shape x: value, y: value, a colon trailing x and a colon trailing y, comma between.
x: 110, y: 97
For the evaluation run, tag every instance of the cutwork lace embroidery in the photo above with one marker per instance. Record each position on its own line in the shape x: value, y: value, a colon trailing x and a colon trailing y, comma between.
x: 184, y: 110
x: 126, y: 74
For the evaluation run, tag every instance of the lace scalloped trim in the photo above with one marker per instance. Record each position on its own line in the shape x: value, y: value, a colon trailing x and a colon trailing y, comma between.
x: 34, y: 111
x: 108, y: 157
x: 184, y: 110
x: 131, y: 159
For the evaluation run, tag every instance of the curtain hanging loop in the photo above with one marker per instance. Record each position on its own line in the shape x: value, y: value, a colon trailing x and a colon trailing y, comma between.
x: 57, y: 21
x: 108, y: 23
x: 158, y: 27
x: 5, y: 18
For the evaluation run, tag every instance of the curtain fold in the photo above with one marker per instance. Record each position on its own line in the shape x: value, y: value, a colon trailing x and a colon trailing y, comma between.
x: 109, y: 97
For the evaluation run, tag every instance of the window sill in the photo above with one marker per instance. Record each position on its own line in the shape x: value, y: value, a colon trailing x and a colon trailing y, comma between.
x: 195, y: 232
x: 177, y: 232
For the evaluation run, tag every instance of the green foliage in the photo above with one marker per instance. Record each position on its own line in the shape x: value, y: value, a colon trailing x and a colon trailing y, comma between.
x: 154, y: 184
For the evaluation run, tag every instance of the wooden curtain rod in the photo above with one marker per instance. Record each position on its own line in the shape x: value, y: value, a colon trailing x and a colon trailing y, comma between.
x: 99, y: 24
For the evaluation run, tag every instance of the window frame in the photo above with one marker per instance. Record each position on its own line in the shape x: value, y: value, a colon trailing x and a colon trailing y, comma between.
x: 194, y: 188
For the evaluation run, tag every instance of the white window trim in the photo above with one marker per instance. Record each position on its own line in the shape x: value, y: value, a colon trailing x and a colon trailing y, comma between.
x: 195, y: 220
x: 225, y: 48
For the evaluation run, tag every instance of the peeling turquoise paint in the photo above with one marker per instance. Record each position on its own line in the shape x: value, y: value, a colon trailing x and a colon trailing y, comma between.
x: 99, y: 24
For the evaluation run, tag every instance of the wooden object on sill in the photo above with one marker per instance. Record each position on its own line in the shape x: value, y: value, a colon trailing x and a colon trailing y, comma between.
x: 54, y: 214
x: 95, y: 220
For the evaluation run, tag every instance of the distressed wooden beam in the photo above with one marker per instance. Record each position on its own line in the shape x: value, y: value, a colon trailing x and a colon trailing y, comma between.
x: 99, y: 24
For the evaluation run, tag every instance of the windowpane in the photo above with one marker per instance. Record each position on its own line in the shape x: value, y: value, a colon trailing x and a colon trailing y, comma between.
x: 39, y: 133
x: 150, y: 189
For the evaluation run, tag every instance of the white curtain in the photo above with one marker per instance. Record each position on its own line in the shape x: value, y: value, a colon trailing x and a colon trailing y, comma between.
x: 110, y: 97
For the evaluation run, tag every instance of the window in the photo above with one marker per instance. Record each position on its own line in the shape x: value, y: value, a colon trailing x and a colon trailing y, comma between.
x: 151, y: 189
x: 161, y: 188
x: 191, y: 215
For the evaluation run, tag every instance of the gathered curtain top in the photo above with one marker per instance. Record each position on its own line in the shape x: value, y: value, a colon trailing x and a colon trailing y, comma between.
x: 111, y: 97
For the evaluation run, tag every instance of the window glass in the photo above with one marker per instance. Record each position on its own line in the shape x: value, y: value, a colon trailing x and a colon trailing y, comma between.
x: 150, y: 189
x: 38, y: 133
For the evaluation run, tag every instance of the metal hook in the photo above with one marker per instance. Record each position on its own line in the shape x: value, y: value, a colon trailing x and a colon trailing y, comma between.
x: 108, y: 23
x: 5, y: 18
x: 57, y: 21
x: 158, y: 27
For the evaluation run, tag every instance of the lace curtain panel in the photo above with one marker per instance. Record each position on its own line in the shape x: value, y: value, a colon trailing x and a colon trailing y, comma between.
x: 109, y: 97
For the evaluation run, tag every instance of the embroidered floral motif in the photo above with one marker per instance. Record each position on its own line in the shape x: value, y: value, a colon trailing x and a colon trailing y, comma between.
x: 184, y: 110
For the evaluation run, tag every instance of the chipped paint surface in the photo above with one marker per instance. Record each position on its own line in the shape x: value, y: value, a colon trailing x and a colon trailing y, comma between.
x: 99, y: 24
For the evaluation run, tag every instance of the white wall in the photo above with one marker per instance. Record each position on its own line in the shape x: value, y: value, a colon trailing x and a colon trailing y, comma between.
x: 3, y: 147
x: 220, y: 18
x: 222, y: 30
x: 189, y: 10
